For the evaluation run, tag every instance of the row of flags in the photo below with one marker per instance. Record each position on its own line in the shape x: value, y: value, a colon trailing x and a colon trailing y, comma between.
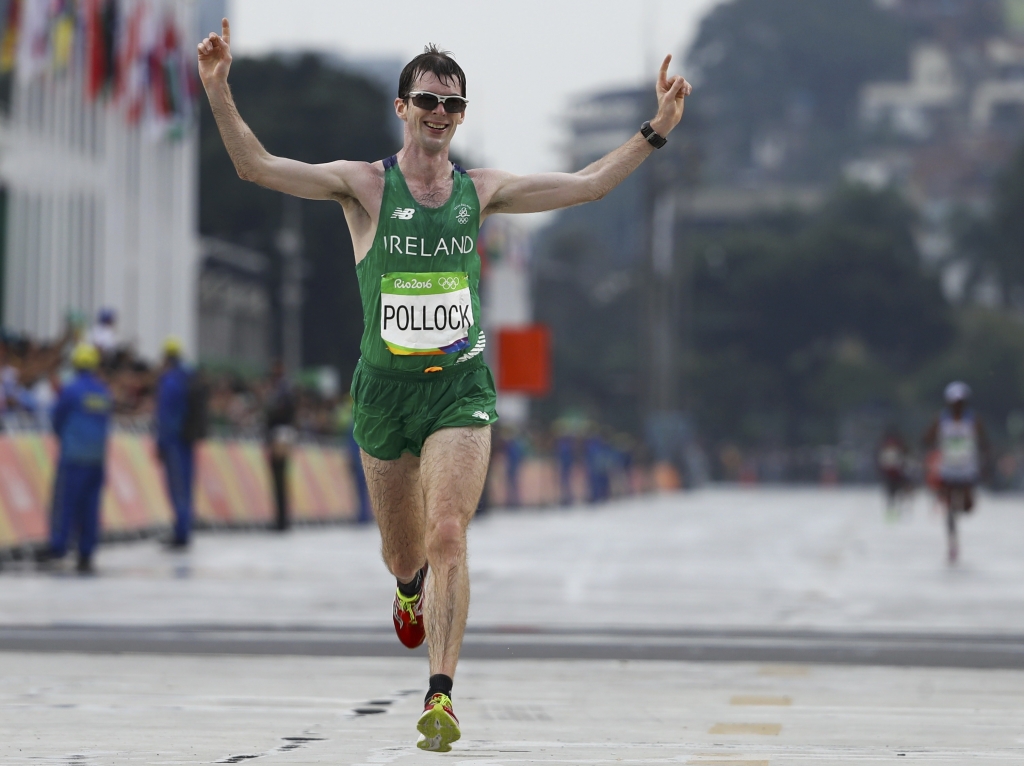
x: 129, y: 54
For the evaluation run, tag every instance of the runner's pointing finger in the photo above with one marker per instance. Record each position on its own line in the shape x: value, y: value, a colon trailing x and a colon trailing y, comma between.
x: 225, y: 30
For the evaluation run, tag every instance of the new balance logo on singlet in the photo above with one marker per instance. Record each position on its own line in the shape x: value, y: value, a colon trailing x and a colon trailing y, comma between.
x: 404, y: 213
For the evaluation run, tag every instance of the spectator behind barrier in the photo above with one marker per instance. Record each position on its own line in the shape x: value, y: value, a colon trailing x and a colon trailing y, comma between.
x: 174, y: 447
x: 81, y: 420
x: 279, y: 435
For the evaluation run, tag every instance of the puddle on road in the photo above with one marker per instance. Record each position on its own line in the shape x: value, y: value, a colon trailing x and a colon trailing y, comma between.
x: 290, y: 744
x: 381, y: 704
x: 294, y: 743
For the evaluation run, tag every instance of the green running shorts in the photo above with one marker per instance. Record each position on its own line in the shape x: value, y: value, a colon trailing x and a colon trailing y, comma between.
x: 395, y: 412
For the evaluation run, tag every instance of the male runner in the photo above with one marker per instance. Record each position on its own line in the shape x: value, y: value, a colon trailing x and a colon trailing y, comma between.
x: 423, y: 397
x: 963, y: 451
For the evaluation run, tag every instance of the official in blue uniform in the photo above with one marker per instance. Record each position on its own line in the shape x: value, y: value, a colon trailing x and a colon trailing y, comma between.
x: 346, y: 425
x: 280, y: 439
x: 176, y: 452
x: 598, y: 467
x: 81, y: 420
x: 565, y: 448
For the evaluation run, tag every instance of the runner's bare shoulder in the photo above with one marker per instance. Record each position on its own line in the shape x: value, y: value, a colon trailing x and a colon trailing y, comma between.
x: 487, y: 181
x: 362, y: 182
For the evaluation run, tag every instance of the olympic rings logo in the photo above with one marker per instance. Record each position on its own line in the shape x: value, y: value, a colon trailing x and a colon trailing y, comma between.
x: 448, y: 283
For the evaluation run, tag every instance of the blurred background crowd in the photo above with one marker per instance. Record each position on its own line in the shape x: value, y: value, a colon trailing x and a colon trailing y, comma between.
x: 32, y: 374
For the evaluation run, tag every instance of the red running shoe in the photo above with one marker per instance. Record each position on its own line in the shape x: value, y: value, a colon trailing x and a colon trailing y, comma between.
x: 438, y: 726
x: 408, y: 616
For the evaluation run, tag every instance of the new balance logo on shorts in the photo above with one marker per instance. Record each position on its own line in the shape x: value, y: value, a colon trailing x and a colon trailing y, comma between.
x: 404, y: 213
x: 481, y: 415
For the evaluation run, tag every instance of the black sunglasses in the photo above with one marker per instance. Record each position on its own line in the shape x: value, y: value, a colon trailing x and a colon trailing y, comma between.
x: 429, y: 101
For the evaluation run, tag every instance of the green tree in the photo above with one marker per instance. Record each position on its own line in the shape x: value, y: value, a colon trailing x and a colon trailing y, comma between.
x: 592, y: 309
x: 790, y: 68
x: 988, y: 353
x: 994, y: 245
x: 308, y: 110
x: 795, y: 328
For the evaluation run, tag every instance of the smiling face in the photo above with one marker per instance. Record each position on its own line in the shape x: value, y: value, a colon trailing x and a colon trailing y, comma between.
x: 430, y: 131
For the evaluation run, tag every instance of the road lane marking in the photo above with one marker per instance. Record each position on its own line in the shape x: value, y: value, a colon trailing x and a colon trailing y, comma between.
x: 761, y: 729
x: 784, y: 671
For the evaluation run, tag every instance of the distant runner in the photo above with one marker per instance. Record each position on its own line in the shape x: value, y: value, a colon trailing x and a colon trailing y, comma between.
x: 893, y: 457
x: 963, y: 449
x: 423, y: 397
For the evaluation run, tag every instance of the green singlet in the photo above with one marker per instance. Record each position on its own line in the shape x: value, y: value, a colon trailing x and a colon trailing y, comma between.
x: 421, y: 367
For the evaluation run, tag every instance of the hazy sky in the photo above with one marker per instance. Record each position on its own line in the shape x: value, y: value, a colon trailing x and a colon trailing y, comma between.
x: 523, y: 59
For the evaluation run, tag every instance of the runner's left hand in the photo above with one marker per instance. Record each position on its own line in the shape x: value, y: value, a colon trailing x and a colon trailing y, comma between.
x: 672, y: 93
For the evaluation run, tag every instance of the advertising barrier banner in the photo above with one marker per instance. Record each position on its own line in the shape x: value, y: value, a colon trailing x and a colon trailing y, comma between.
x: 232, y: 485
x: 24, y: 490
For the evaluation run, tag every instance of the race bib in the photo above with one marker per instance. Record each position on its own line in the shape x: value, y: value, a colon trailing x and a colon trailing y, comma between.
x: 425, y: 314
x: 958, y: 452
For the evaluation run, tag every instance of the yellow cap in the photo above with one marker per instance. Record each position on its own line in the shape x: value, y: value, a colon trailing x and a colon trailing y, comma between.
x: 85, y: 357
x: 172, y: 346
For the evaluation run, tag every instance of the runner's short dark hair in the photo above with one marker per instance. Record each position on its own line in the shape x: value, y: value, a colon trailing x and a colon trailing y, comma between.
x: 435, y: 61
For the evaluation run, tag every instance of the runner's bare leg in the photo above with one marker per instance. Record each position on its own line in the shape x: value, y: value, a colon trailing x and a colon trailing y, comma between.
x: 453, y: 469
x: 397, y: 499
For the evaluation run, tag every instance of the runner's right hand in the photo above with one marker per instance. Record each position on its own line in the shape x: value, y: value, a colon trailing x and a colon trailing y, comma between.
x: 672, y: 93
x: 215, y: 55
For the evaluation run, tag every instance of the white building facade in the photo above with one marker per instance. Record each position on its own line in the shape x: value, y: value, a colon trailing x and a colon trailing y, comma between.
x: 103, y: 190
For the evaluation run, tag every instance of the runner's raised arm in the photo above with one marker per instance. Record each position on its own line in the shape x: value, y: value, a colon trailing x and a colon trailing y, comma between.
x: 253, y: 162
x: 502, y: 192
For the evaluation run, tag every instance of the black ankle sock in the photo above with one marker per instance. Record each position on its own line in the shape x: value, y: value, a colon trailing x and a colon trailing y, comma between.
x: 410, y: 589
x: 439, y: 684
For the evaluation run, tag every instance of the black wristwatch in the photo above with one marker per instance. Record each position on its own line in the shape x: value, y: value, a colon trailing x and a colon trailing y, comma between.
x: 652, y: 137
